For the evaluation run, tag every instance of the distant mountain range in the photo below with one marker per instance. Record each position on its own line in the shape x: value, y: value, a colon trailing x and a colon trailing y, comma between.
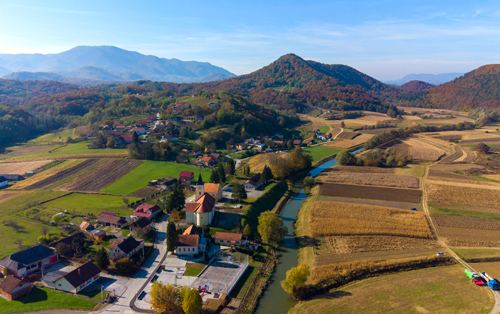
x: 89, y: 65
x: 434, y: 79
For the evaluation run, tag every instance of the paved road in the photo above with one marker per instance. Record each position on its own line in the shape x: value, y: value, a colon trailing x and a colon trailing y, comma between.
x: 130, y: 286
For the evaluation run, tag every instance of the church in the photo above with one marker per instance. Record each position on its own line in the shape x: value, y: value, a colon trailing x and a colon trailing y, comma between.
x: 202, y: 211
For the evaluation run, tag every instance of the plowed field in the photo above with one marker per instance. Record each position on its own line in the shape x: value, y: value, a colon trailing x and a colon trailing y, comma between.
x: 102, y: 176
x: 370, y: 192
x: 356, y: 244
x: 384, y: 179
x: 61, y: 175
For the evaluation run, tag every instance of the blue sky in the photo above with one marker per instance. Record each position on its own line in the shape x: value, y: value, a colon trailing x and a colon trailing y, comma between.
x: 385, y: 39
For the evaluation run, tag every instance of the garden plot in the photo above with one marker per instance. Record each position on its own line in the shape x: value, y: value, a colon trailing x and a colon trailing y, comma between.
x: 370, y: 192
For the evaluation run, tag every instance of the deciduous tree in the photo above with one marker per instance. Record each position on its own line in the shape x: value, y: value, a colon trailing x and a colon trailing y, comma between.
x: 296, y: 277
x: 271, y: 228
x: 165, y: 298
x: 191, y: 301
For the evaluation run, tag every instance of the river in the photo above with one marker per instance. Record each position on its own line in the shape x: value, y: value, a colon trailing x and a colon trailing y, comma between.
x: 275, y: 300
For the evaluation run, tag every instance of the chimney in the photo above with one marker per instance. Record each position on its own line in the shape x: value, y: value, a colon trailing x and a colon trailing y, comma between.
x: 79, y: 272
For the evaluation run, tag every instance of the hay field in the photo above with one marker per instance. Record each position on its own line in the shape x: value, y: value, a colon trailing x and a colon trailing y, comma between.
x: 48, y: 173
x: 479, y: 199
x: 21, y: 167
x: 370, y: 118
x: 357, y: 244
x: 381, y: 179
x: 432, y: 290
x: 370, y: 192
x: 257, y: 162
x: 492, y: 268
x: 461, y: 237
x: 345, y: 143
x: 422, y: 150
x: 328, y: 219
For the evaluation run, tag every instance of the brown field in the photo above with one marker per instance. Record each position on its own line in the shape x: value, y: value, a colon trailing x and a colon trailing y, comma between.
x: 380, y: 179
x: 21, y: 167
x: 491, y: 268
x: 61, y: 175
x: 345, y: 143
x: 323, y: 259
x: 8, y: 194
x: 444, y: 121
x: 363, y: 201
x: 450, y: 138
x: 356, y: 169
x: 257, y: 162
x: 455, y: 167
x: 398, y: 146
x: 455, y: 221
x: 26, y: 150
x: 470, y: 156
x: 432, y: 111
x: 375, y: 131
x: 423, y: 154
x: 458, y: 153
x: 358, y: 244
x: 81, y: 130
x: 370, y: 192
x: 436, y: 175
x: 327, y: 219
x: 145, y: 192
x: 370, y: 118
x: 102, y: 176
x: 47, y: 173
x: 480, y: 199
x: 461, y: 237
x: 348, y: 135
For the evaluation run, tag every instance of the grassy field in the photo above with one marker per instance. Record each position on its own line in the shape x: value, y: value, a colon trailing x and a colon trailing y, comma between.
x: 432, y: 290
x: 465, y: 213
x: 56, y: 137
x: 91, y: 203
x: 324, y: 129
x: 477, y: 253
x: 151, y: 170
x: 45, y: 299
x: 42, y: 151
x: 193, y: 269
x: 319, y: 152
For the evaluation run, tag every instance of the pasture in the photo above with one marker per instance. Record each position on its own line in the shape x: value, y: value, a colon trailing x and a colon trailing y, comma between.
x: 430, y: 290
x: 328, y: 218
x: 91, y: 204
x: 149, y: 170
x: 320, y: 151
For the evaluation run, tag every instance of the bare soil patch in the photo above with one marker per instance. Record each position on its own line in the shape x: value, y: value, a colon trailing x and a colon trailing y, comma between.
x: 21, y: 167
x: 379, y: 179
x: 145, y: 192
x: 327, y: 218
x: 61, y: 175
x: 400, y: 205
x: 102, y: 176
x: 356, y: 244
x: 370, y: 192
x: 348, y: 135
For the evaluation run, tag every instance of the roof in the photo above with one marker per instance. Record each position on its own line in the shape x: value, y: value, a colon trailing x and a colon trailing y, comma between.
x: 146, y: 210
x: 111, y: 219
x: 205, y: 204
x: 254, y: 180
x: 3, y: 179
x: 200, y: 180
x: 107, y: 213
x: 86, y: 226
x: 192, y: 230
x: 212, y: 187
x: 140, y: 223
x: 12, y: 177
x: 206, y: 159
x: 128, y: 245
x: 228, y: 236
x: 53, y: 276
x: 10, y: 283
x: 297, y: 142
x: 98, y: 233
x: 82, y: 274
x: 186, y: 174
x: 31, y: 255
x: 188, y: 240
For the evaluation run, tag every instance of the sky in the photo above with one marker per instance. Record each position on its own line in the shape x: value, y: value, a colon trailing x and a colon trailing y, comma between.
x: 385, y: 39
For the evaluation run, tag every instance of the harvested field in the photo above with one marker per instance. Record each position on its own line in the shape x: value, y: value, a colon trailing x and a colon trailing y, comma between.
x: 456, y: 167
x: 348, y: 135
x: 461, y: 237
x: 437, y: 175
x: 61, y: 175
x: 47, y: 173
x: 380, y: 179
x: 375, y: 131
x: 480, y: 199
x: 398, y: 146
x: 455, y: 221
x: 355, y: 169
x: 357, y: 244
x: 370, y: 192
x: 364, y: 201
x: 8, y: 195
x: 449, y: 138
x: 327, y: 218
x: 458, y: 153
x: 423, y: 154
x: 257, y: 162
x: 470, y: 155
x: 21, y: 167
x: 25, y: 150
x: 346, y: 144
x: 491, y: 268
x: 324, y: 259
x: 102, y: 176
x: 145, y: 192
x: 369, y: 118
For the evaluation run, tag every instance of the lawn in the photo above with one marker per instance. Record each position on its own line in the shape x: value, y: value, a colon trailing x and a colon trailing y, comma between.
x: 94, y: 294
x: 432, y: 290
x: 91, y: 203
x: 151, y: 170
x: 194, y: 269
x: 45, y: 299
x: 319, y: 152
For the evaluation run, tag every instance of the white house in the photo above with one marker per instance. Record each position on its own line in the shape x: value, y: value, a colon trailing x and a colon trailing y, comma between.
x: 3, y: 181
x: 119, y: 249
x: 75, y: 280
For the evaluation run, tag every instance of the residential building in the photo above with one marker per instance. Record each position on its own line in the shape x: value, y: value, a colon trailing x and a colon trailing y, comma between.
x: 97, y: 234
x: 86, y: 226
x: 12, y: 287
x: 74, y: 281
x: 29, y: 261
x: 12, y: 177
x: 253, y: 183
x: 140, y: 226
x: 186, y: 176
x: 147, y: 211
x: 119, y: 249
x: 225, y: 238
x: 187, y: 244
x: 297, y: 142
x: 3, y: 181
x: 112, y: 221
x: 207, y: 161
x: 202, y: 241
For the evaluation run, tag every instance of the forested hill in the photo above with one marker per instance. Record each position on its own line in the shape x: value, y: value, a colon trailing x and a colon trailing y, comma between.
x: 294, y: 83
x: 415, y: 86
x: 14, y: 93
x: 478, y: 88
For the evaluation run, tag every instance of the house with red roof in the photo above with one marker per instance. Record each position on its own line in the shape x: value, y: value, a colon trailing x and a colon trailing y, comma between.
x: 146, y: 211
x: 186, y: 176
x: 12, y: 287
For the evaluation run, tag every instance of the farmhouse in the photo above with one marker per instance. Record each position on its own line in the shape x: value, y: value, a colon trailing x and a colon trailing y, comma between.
x: 12, y: 287
x: 229, y: 238
x: 186, y: 176
x: 97, y: 234
x: 124, y: 247
x: 253, y: 183
x: 3, y: 181
x: 207, y: 161
x: 140, y: 226
x: 147, y: 211
x: 113, y: 221
x: 297, y: 142
x: 28, y: 261
x: 75, y: 280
